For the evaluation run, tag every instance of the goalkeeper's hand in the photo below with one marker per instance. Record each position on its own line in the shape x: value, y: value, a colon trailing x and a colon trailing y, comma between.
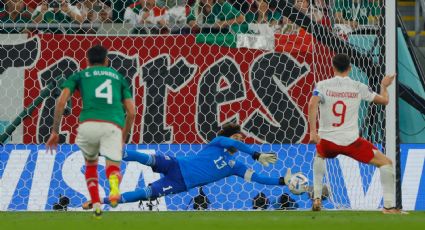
x: 287, y: 178
x: 265, y: 158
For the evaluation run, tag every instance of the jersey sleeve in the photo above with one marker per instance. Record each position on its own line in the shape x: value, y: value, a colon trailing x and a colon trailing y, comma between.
x: 366, y: 93
x: 249, y: 175
x: 126, y: 92
x: 318, y: 91
x: 71, y: 83
x: 226, y: 142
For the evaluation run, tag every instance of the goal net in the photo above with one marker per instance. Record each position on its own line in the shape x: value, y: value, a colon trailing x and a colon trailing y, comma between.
x: 192, y: 66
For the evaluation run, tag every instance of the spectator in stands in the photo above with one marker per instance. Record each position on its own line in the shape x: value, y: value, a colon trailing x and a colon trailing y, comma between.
x: 95, y: 11
x: 57, y: 11
x: 32, y: 4
x: 177, y: 12
x: 311, y: 11
x: 147, y: 17
x: 244, y: 6
x: 323, y: 6
x: 353, y: 13
x: 170, y: 3
x: 262, y: 14
x: 218, y: 14
x: 261, y: 19
x: 14, y: 11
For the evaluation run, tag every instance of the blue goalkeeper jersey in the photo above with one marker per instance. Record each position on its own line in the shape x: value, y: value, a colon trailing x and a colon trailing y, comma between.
x: 214, y: 163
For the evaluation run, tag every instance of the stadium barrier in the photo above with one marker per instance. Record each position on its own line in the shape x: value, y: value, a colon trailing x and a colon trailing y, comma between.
x: 33, y: 180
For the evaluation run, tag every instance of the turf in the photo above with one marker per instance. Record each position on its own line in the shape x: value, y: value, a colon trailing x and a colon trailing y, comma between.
x: 265, y: 220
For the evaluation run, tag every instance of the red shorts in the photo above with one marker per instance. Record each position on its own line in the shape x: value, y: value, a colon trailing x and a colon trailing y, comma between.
x: 360, y: 150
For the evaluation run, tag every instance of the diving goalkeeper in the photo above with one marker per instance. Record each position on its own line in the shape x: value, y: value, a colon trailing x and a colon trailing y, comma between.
x: 214, y: 162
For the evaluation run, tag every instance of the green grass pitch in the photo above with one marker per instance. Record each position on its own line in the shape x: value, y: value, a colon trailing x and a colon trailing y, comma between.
x: 264, y: 220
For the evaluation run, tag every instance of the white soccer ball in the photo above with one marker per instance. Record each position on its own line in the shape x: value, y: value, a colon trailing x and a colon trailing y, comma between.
x: 298, y: 184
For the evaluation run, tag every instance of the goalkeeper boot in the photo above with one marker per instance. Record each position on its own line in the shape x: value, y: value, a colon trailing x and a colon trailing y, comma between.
x: 317, y: 205
x: 97, y: 211
x: 114, y: 195
x: 87, y: 205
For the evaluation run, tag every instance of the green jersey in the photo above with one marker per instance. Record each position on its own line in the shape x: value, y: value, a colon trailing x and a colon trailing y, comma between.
x: 219, y: 12
x: 102, y: 89
x: 357, y: 11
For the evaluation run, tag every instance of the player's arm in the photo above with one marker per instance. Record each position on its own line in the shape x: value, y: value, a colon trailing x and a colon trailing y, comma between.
x: 59, y: 110
x: 382, y: 98
x: 313, y: 106
x: 129, y: 107
x: 250, y: 175
x: 229, y: 143
x: 130, y: 110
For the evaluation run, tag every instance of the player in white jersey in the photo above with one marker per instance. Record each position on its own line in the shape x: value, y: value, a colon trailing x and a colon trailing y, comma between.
x: 338, y: 100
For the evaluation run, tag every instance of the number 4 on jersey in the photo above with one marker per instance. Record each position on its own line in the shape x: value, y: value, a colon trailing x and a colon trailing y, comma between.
x: 105, y: 91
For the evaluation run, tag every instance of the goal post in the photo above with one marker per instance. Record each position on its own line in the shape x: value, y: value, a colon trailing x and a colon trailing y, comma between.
x: 392, y: 143
x: 188, y: 82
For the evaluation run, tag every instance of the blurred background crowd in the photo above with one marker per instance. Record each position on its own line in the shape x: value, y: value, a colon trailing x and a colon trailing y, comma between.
x: 184, y: 16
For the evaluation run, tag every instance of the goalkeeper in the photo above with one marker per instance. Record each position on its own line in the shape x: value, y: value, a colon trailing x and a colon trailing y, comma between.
x: 214, y: 162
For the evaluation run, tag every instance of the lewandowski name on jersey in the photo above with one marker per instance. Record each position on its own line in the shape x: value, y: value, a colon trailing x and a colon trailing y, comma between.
x: 341, y: 94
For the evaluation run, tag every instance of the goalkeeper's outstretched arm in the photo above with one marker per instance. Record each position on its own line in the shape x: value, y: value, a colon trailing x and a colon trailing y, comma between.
x: 231, y: 144
x: 249, y: 175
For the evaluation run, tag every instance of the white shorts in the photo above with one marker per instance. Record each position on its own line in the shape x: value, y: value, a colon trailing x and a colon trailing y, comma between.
x: 102, y: 138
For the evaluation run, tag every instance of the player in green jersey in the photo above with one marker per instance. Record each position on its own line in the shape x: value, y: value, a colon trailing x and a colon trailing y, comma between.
x: 104, y: 125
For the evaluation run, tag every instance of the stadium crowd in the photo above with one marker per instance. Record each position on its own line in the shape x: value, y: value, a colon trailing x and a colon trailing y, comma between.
x: 187, y: 16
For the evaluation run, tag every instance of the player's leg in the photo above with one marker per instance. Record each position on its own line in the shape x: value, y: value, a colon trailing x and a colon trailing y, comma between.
x: 111, y: 149
x: 162, y: 187
x: 159, y: 163
x: 324, y: 149
x: 319, y: 170
x: 142, y: 158
x: 171, y: 183
x: 114, y: 177
x: 87, y: 141
x: 386, y: 170
x: 365, y: 152
x: 92, y: 181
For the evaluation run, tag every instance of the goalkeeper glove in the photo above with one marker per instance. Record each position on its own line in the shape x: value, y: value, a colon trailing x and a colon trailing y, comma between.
x: 265, y: 158
x: 286, y: 179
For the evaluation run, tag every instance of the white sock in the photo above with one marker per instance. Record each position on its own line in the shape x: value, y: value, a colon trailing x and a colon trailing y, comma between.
x: 319, y: 169
x: 388, y: 185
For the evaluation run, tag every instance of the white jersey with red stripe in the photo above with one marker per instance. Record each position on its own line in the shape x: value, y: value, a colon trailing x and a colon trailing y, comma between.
x: 340, y: 99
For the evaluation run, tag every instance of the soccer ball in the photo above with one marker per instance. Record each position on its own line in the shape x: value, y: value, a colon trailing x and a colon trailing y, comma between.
x: 298, y: 184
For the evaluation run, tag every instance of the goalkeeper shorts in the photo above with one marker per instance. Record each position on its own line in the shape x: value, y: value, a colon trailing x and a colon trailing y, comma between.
x: 172, y: 182
x: 360, y: 150
x: 95, y: 137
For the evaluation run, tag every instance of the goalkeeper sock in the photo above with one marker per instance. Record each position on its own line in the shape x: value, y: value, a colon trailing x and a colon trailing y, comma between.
x: 318, y: 172
x: 142, y: 158
x: 128, y: 197
x: 388, y: 185
x: 92, y: 183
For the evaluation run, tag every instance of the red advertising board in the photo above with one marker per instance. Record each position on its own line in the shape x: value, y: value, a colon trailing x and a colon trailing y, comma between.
x: 184, y: 90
